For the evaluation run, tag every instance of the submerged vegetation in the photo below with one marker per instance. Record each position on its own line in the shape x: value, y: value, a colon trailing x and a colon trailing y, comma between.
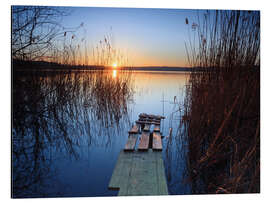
x: 222, y: 106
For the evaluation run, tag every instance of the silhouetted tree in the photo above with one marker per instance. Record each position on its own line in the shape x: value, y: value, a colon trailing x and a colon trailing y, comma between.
x: 34, y: 28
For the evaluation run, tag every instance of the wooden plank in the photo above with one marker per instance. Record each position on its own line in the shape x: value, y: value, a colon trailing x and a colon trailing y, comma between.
x: 157, y: 128
x: 143, y: 177
x: 146, y: 127
x: 144, y: 141
x: 162, y: 183
x: 119, y: 178
x: 134, y: 129
x: 131, y: 142
x: 147, y: 122
x: 143, y: 115
x: 156, y: 117
x: 139, y: 173
x: 157, y: 144
x: 155, y: 121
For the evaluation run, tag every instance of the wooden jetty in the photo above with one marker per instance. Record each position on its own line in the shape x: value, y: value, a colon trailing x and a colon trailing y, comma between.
x: 141, y: 171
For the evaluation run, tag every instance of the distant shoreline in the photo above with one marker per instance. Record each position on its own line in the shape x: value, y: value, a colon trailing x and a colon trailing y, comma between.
x: 43, y: 65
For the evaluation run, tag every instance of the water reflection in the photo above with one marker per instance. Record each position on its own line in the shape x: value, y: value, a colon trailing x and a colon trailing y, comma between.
x: 68, y: 128
x: 59, y: 113
x: 114, y: 73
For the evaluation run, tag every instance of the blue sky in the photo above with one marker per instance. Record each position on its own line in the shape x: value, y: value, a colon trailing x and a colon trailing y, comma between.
x: 149, y: 37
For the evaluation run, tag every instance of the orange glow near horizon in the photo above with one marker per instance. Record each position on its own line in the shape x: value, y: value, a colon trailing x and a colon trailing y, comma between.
x: 136, y: 62
x: 136, y: 59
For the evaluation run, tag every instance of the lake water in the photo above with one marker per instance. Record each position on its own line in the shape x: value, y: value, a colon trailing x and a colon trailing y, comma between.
x: 69, y: 127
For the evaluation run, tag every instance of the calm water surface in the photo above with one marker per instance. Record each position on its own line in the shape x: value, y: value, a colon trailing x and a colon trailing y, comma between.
x: 68, y: 129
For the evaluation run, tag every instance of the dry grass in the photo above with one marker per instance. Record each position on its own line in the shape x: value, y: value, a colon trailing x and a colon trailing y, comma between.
x: 222, y: 107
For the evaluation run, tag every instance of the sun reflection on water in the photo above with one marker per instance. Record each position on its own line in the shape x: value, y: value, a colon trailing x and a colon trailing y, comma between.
x: 114, y: 73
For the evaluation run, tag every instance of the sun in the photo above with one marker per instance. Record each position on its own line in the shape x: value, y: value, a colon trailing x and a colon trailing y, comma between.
x: 115, y: 65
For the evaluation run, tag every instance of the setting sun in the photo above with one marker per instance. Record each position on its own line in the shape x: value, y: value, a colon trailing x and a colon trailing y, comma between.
x: 115, y: 65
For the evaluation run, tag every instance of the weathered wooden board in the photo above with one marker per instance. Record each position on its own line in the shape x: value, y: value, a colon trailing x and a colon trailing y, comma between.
x: 139, y: 173
x: 155, y: 121
x: 156, y: 116
x: 157, y: 144
x: 144, y: 141
x: 162, y: 183
x: 143, y: 115
x: 131, y: 142
x: 143, y: 179
x: 121, y: 171
x: 134, y: 129
x: 146, y: 127
x: 157, y: 128
x: 147, y: 122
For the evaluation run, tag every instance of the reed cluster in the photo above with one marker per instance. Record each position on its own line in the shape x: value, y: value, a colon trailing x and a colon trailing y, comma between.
x: 110, y: 92
x: 105, y: 53
x: 72, y: 50
x: 222, y: 106
x: 62, y: 111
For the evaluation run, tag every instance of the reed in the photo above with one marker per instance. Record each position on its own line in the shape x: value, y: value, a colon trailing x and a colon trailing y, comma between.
x: 222, y: 106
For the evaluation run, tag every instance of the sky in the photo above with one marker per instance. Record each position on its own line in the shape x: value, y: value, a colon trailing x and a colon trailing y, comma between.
x: 147, y: 37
